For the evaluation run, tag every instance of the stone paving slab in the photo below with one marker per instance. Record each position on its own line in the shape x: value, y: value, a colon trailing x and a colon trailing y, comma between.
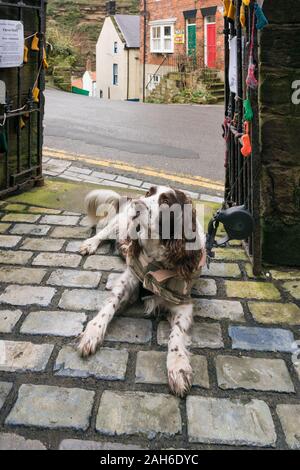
x: 13, y: 274
x: 74, y: 278
x: 293, y: 288
x: 52, y: 407
x: 236, y: 422
x: 15, y: 257
x: 66, y: 324
x: 8, y: 320
x: 76, y: 444
x: 203, y: 335
x: 24, y: 356
x: 9, y: 241
x: 241, y: 342
x: 132, y: 413
x: 105, y: 263
x: 275, y: 313
x: 130, y: 330
x: 10, y: 441
x: 151, y: 368
x: 261, y: 339
x: 108, y: 364
x: 28, y: 229
x: 289, y: 416
x: 5, y: 388
x: 219, y: 310
x: 82, y: 299
x: 27, y: 295
x: 57, y: 259
x: 253, y: 374
x: 252, y: 290
x: 46, y: 244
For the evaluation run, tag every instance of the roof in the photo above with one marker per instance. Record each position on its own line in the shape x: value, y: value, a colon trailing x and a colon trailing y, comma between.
x: 130, y: 28
x: 77, y: 82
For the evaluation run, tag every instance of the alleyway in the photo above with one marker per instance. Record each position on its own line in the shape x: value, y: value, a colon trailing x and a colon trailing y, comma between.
x: 246, y: 385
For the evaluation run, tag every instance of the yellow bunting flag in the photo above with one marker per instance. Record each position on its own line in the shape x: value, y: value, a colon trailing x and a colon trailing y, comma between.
x: 26, y: 50
x: 35, y: 43
x: 246, y: 2
x: 226, y: 7
x: 231, y: 11
x: 45, y: 63
x: 243, y: 16
x: 22, y: 123
x: 36, y: 94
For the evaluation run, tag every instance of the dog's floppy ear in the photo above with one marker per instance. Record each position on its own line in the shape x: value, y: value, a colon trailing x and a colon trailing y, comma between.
x: 152, y: 191
x: 185, y: 261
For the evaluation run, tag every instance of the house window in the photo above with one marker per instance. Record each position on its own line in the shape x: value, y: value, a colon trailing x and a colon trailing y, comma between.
x: 162, y: 38
x: 115, y: 74
x: 115, y: 47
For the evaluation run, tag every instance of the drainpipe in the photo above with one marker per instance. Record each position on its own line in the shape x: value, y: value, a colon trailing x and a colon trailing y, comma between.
x: 145, y: 50
x: 128, y: 71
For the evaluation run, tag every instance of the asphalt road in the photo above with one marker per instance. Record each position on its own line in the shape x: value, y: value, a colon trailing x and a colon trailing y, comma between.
x: 174, y: 138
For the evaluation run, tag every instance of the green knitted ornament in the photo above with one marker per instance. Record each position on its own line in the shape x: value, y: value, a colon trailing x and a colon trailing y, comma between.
x: 248, y: 113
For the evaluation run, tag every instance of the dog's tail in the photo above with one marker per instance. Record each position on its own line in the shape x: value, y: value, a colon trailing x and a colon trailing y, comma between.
x: 102, y: 206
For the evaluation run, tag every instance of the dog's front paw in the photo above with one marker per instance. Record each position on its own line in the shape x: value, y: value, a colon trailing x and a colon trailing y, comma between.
x: 89, y: 341
x: 89, y: 247
x: 180, y: 375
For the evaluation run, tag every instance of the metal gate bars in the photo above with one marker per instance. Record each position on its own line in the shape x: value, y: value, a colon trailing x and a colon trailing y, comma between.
x: 21, y: 112
x: 242, y: 171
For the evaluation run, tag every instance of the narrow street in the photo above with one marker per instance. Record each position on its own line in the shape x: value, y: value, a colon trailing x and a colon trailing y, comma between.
x: 173, y: 138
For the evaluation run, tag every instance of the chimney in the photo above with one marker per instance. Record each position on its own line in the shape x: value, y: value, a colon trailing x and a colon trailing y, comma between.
x: 111, y: 8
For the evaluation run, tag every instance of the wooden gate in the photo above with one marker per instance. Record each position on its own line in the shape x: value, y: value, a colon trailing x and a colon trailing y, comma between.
x: 242, y: 173
x: 21, y: 115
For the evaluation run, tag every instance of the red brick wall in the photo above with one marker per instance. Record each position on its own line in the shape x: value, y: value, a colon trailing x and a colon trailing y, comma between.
x: 164, y: 9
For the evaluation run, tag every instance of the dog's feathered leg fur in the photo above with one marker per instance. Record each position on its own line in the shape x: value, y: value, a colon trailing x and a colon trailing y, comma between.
x: 180, y: 373
x: 122, y: 292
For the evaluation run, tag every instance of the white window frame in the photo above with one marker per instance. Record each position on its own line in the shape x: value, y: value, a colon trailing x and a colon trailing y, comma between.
x: 160, y: 26
x: 116, y: 47
x: 115, y: 75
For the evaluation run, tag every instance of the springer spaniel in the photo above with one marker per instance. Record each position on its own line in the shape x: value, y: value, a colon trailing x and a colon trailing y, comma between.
x: 164, y: 247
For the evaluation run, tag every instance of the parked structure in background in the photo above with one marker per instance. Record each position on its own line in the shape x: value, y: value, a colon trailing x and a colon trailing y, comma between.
x: 89, y: 83
x: 180, y: 37
x: 117, y: 57
x: 85, y: 85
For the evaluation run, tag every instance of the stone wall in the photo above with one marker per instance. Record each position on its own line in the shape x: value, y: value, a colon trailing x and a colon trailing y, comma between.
x: 279, y: 57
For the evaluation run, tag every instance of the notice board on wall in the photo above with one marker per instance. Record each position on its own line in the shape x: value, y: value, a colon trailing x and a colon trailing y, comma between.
x: 11, y: 43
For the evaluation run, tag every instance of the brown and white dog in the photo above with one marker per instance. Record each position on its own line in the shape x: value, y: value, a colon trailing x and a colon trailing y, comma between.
x: 147, y: 229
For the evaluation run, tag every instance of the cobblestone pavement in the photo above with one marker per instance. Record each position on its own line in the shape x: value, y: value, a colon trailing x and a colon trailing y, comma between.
x: 246, y: 385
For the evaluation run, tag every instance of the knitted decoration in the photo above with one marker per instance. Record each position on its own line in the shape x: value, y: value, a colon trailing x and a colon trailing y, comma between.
x: 226, y: 7
x: 251, y: 80
x: 261, y: 19
x: 243, y: 16
x: 26, y: 50
x: 35, y: 43
x: 248, y: 113
x: 231, y: 11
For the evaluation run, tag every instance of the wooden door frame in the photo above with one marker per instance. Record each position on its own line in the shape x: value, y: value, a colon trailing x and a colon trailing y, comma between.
x: 206, y: 23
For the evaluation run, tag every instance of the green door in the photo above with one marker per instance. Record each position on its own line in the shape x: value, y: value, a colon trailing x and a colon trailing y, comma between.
x: 191, y: 39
